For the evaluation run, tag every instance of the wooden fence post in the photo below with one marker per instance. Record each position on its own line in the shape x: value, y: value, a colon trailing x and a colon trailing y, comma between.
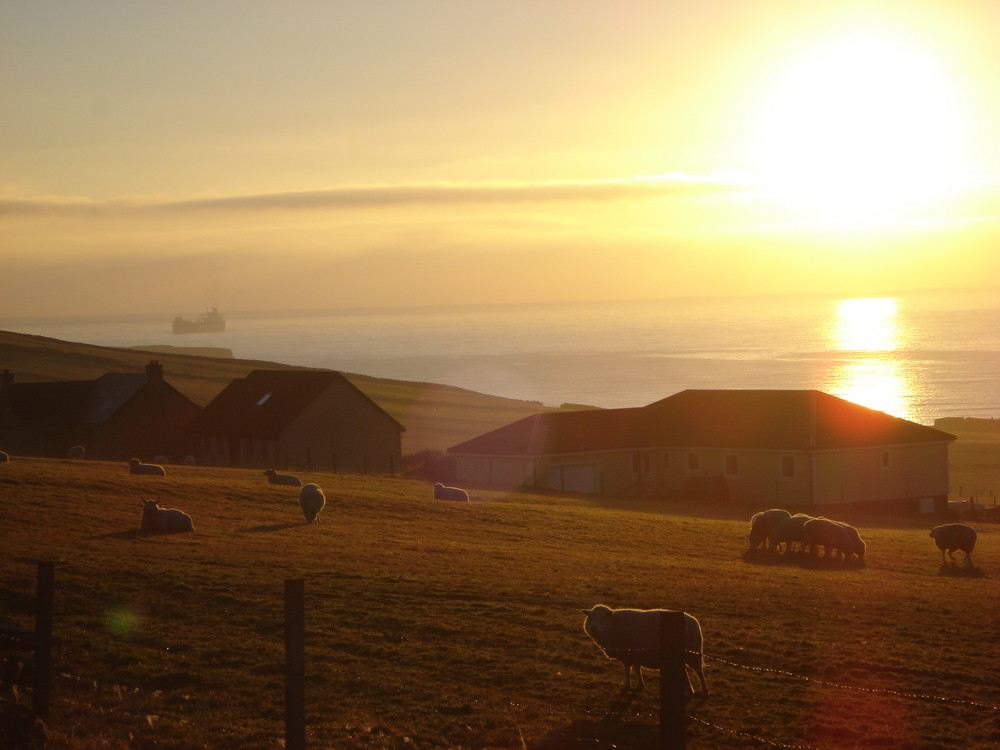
x: 42, y: 678
x: 672, y: 680
x: 295, y: 665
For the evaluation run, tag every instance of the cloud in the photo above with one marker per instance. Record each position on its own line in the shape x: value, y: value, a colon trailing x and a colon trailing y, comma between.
x: 377, y: 196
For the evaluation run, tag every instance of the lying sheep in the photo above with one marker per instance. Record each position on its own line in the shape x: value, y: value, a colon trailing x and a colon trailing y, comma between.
x: 450, y: 493
x: 77, y: 451
x: 4, y: 458
x: 135, y: 466
x: 289, y: 480
x: 189, y: 460
x: 788, y: 531
x: 632, y: 636
x: 311, y: 500
x: 832, y: 536
x: 953, y: 536
x: 761, y: 525
x: 858, y: 547
x: 160, y: 459
x: 156, y: 519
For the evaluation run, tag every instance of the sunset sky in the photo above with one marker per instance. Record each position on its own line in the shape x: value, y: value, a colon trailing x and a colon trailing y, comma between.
x: 165, y: 156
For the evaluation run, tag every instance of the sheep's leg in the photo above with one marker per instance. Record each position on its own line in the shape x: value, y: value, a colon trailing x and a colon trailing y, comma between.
x: 699, y: 669
x: 638, y: 675
x: 628, y: 675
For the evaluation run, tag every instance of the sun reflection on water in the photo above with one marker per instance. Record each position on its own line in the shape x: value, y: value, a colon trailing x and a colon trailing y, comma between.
x: 869, y: 332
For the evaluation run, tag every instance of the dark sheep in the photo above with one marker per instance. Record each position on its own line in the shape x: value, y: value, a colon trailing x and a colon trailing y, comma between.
x: 952, y: 536
x: 442, y: 492
x: 761, y: 525
x: 135, y: 466
x: 311, y: 500
x: 289, y: 480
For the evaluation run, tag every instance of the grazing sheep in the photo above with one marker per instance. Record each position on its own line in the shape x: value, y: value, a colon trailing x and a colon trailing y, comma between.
x: 858, y: 547
x: 761, y: 525
x: 290, y: 480
x: 632, y: 636
x: 953, y: 536
x: 135, y: 466
x: 77, y: 451
x: 189, y: 460
x: 822, y: 532
x: 450, y: 493
x: 311, y: 500
x: 157, y: 519
x: 4, y: 458
x: 789, y: 531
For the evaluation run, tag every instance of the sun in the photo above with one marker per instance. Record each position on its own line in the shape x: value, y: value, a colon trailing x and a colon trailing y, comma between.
x: 861, y: 126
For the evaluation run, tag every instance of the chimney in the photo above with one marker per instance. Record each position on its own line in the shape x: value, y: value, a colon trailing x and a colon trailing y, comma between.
x: 6, y: 380
x: 154, y: 372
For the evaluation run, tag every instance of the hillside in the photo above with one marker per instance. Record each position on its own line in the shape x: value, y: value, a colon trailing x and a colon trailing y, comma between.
x: 435, y: 416
x: 434, y: 624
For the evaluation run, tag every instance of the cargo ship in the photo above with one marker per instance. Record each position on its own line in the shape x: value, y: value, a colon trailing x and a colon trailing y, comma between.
x: 210, y: 321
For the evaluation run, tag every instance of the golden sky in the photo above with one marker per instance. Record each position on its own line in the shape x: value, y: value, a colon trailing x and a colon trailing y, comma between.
x: 161, y: 157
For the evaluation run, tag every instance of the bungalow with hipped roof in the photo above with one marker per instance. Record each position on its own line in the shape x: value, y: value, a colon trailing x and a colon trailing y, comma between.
x: 301, y: 419
x: 777, y: 447
x: 119, y: 415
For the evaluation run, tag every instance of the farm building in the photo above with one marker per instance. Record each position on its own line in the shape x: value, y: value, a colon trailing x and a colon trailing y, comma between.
x: 303, y: 419
x: 794, y: 448
x: 117, y: 416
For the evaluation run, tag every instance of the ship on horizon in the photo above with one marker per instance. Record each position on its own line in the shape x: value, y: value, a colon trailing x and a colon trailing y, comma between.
x: 210, y: 321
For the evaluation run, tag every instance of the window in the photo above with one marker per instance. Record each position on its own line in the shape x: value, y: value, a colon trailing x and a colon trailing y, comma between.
x: 788, y: 466
x: 264, y: 398
x: 732, y: 465
x: 693, y: 462
x: 885, y: 459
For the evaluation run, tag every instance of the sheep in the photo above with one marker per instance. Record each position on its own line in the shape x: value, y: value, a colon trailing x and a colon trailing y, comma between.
x: 450, y: 493
x: 858, y: 547
x: 135, y: 466
x: 160, y: 459
x: 189, y: 460
x: 761, y: 525
x: 157, y: 519
x: 953, y: 536
x: 4, y: 458
x: 788, y: 530
x: 77, y: 451
x: 632, y: 636
x: 290, y: 480
x: 311, y: 500
x: 829, y: 534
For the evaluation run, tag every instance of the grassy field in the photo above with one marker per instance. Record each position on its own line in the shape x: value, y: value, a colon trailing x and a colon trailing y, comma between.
x: 442, y: 625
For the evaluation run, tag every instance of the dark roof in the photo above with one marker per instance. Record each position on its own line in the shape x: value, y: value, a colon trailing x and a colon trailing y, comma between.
x: 73, y: 401
x: 736, y: 419
x: 266, y: 401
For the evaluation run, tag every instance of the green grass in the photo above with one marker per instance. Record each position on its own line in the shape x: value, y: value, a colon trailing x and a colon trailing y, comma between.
x: 441, y: 625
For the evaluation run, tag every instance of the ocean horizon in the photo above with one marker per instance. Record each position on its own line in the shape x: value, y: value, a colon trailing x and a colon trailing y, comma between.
x: 919, y: 356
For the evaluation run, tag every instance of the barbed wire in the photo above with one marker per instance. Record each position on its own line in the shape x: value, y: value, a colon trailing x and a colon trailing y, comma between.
x: 857, y: 688
x: 747, y: 735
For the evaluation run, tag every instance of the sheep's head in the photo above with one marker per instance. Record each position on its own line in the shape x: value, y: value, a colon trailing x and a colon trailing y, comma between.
x: 150, y: 506
x: 934, y: 533
x: 597, y: 618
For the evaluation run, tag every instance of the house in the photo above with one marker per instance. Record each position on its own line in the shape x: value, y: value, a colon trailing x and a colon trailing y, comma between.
x: 767, y: 447
x: 117, y: 416
x: 303, y: 419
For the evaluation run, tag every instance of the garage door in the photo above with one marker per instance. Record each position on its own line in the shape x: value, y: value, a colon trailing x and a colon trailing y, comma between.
x: 575, y: 478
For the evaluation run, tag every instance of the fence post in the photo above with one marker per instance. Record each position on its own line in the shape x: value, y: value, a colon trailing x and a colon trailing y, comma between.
x: 42, y: 679
x: 295, y: 665
x: 672, y: 679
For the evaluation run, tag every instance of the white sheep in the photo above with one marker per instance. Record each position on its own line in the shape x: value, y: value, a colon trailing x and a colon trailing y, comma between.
x: 135, y: 466
x: 77, y: 451
x: 822, y: 532
x: 632, y: 636
x: 858, y: 547
x: 450, y: 493
x: 290, y: 480
x: 953, y: 536
x: 788, y: 531
x: 157, y: 519
x: 311, y: 500
x: 761, y: 525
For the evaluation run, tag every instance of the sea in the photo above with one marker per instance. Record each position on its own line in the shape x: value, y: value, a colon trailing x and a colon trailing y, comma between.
x: 918, y: 356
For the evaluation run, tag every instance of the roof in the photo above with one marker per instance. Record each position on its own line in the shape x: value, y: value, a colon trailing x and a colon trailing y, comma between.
x: 266, y: 401
x: 735, y: 419
x: 73, y: 401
